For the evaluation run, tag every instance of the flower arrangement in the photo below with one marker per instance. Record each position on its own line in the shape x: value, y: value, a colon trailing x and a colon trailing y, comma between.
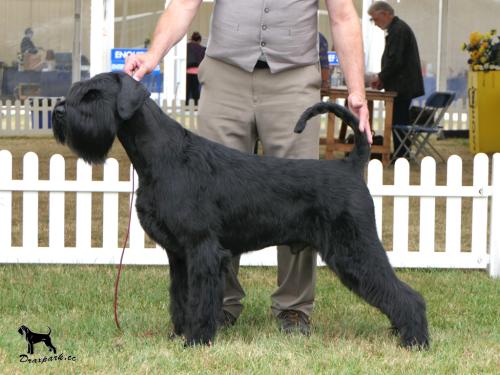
x: 484, y: 51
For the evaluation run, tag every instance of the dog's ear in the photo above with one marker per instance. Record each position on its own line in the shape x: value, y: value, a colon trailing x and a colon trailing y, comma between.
x: 131, y: 96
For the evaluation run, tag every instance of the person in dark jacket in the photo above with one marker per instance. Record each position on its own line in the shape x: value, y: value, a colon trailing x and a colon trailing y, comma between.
x: 401, y: 71
x: 195, y: 53
x: 27, y: 44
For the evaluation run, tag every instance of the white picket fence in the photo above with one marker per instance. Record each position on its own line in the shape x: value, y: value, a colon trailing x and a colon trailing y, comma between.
x: 31, y: 117
x: 483, y: 253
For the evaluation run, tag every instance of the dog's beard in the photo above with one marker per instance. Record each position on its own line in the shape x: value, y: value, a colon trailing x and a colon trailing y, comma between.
x: 58, y: 126
x: 90, y: 130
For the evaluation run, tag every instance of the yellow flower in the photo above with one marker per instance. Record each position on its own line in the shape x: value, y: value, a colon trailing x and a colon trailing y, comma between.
x: 480, y: 49
x: 475, y: 37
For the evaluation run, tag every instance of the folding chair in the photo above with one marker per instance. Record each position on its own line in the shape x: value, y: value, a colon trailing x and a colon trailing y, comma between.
x: 425, y: 123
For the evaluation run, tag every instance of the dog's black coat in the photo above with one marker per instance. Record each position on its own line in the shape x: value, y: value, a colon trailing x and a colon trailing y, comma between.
x: 33, y: 338
x: 204, y: 203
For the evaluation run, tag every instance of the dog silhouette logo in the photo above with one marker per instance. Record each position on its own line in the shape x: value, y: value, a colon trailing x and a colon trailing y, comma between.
x: 33, y: 338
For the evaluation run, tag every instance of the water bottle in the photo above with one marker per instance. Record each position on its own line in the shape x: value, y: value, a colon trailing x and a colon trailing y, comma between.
x: 336, y: 75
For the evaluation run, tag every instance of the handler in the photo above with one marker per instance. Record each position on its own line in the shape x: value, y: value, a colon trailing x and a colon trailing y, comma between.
x: 260, y: 72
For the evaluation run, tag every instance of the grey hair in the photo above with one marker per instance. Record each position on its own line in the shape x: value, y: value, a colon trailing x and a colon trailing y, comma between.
x: 381, y: 6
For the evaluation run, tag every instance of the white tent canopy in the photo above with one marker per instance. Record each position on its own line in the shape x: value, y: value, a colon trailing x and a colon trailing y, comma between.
x: 174, y: 85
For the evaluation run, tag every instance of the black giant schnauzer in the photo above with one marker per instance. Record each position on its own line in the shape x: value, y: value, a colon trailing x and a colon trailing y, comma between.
x: 32, y: 338
x: 203, y: 203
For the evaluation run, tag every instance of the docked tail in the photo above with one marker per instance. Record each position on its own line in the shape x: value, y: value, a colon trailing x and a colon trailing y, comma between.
x: 361, y: 151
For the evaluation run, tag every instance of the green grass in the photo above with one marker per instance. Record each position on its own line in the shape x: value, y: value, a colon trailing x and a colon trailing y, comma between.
x: 349, y: 337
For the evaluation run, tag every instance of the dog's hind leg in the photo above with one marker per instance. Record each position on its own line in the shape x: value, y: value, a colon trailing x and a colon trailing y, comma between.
x: 49, y: 345
x: 362, y: 265
x: 178, y: 293
x: 207, y: 264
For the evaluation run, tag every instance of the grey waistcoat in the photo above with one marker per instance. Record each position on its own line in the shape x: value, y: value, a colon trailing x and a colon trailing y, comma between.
x: 284, y: 31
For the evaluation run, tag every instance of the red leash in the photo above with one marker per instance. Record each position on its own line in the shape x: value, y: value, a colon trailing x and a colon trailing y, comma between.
x: 117, y: 281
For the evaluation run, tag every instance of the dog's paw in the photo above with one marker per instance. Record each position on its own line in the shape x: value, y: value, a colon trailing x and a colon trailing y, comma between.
x: 190, y: 343
x: 415, y: 343
x: 174, y: 335
x: 394, y: 331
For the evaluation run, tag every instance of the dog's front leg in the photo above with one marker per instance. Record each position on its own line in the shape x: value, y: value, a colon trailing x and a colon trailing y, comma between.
x: 207, y: 264
x: 178, y: 293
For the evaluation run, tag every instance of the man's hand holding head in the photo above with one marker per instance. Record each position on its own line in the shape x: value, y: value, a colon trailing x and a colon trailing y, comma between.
x: 139, y: 65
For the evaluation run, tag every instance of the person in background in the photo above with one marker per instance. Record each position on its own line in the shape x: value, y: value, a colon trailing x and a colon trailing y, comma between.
x: 260, y: 72
x: 400, y: 71
x: 195, y: 54
x: 27, y: 44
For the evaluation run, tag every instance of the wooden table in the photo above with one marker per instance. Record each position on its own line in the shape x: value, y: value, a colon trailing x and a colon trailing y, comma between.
x: 337, y: 144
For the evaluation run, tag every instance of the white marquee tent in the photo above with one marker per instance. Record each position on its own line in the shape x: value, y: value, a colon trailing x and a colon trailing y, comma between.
x: 103, y: 33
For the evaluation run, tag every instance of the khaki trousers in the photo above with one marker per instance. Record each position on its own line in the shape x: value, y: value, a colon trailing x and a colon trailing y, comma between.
x: 237, y: 107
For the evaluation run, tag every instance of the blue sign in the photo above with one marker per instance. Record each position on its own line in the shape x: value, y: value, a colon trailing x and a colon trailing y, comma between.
x: 333, y: 59
x: 118, y: 56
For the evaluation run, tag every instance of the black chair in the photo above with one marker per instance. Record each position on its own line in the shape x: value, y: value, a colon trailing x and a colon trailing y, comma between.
x: 425, y: 122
